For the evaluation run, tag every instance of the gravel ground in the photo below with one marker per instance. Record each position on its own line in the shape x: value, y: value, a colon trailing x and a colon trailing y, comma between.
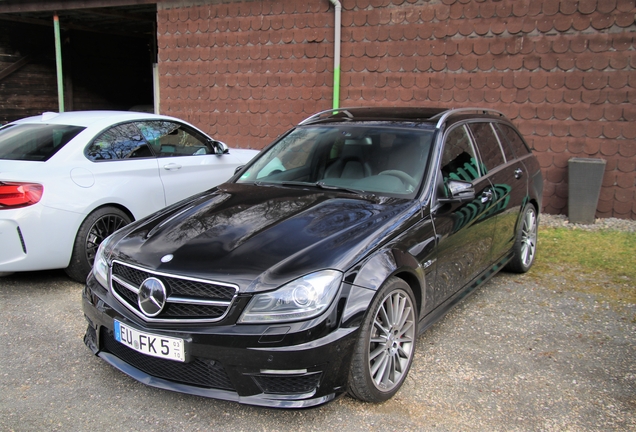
x: 561, y: 221
x: 526, y: 352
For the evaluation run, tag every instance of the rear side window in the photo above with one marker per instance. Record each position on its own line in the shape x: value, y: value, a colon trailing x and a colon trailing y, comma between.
x: 514, y: 139
x: 35, y: 142
x: 123, y: 141
x: 488, y: 145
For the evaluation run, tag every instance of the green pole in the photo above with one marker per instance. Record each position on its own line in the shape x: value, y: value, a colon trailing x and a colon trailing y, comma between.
x: 336, y: 53
x: 58, y: 62
x: 336, y: 88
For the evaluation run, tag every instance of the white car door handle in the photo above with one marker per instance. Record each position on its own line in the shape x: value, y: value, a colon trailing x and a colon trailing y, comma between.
x: 172, y: 166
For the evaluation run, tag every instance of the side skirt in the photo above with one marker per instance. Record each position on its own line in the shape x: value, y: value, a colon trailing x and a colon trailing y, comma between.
x: 436, y: 314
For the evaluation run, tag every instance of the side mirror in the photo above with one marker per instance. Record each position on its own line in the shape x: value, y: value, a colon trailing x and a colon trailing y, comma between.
x: 220, y: 147
x: 238, y: 168
x: 458, y: 191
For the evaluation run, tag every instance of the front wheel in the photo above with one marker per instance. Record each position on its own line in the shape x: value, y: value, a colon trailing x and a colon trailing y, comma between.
x: 525, y: 247
x: 384, y: 351
x: 95, y: 228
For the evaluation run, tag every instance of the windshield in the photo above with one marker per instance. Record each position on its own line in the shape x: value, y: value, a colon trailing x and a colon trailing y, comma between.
x: 372, y: 159
x: 34, y: 142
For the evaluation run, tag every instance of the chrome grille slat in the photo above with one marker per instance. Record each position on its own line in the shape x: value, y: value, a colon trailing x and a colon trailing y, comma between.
x: 189, y: 300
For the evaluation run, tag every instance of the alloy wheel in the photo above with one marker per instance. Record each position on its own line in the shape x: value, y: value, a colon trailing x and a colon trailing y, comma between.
x: 529, y: 237
x: 392, y: 341
x: 102, y: 228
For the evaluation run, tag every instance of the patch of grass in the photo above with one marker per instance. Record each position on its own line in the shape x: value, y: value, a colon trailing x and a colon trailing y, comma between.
x: 612, y: 252
x: 599, y: 262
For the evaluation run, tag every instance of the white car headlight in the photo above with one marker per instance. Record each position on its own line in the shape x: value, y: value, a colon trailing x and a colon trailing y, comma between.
x: 300, y: 299
x: 100, y: 266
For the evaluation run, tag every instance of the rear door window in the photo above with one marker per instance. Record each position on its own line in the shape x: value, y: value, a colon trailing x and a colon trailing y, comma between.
x: 35, y: 142
x: 488, y: 144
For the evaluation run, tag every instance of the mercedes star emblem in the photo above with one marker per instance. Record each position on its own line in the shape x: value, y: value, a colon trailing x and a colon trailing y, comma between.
x: 152, y: 296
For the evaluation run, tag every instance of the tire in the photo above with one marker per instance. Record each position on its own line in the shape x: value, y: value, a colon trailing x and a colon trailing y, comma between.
x: 381, y: 361
x: 525, y: 247
x: 96, y: 227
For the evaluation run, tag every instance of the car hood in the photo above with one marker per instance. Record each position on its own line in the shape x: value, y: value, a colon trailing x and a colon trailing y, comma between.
x: 261, y: 237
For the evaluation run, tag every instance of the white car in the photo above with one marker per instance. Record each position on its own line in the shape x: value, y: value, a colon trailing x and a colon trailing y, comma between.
x: 69, y: 180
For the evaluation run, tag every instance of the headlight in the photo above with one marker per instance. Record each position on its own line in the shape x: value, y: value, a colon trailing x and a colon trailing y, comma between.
x: 303, y: 298
x: 100, y: 266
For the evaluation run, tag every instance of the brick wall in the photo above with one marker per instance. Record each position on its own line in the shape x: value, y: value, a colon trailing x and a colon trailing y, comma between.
x: 563, y: 71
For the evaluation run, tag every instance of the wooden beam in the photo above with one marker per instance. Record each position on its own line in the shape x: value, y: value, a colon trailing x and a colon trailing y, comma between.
x: 12, y: 6
x: 14, y: 67
x: 67, y: 26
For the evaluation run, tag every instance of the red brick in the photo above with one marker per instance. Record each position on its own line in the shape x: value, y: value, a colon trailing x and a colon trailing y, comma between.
x: 556, y: 176
x: 594, y: 129
x: 577, y: 130
x: 542, y: 145
x: 602, y: 21
x: 558, y: 145
x: 559, y: 129
x: 514, y: 25
x: 561, y: 161
x: 627, y: 148
x: 626, y: 180
x: 623, y: 210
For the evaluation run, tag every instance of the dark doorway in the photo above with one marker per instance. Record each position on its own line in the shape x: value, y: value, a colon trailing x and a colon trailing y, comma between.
x: 107, y: 58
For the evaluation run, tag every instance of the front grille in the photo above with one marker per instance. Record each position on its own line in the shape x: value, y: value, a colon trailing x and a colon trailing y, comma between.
x: 198, y: 372
x: 182, y: 310
x: 282, y: 384
x: 188, y: 299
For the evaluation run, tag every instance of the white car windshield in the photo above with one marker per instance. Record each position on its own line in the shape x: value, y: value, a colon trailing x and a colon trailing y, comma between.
x: 371, y: 159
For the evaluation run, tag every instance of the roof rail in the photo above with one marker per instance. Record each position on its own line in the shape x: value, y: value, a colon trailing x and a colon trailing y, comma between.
x: 446, y: 114
x: 326, y: 113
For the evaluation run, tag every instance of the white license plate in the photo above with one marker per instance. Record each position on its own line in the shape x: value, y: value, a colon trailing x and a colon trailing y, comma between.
x: 146, y: 343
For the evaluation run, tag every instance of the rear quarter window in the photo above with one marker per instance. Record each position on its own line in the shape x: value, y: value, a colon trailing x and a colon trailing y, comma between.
x: 35, y: 142
x: 514, y: 139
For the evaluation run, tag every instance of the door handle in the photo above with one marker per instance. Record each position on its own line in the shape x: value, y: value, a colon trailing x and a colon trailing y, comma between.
x: 172, y: 166
x: 518, y: 173
x: 486, y: 196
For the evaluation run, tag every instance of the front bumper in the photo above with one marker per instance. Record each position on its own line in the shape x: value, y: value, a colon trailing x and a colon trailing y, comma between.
x: 282, y: 366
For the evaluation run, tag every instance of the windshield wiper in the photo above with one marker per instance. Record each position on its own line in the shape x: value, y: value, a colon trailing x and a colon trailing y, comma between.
x: 323, y: 185
x: 320, y: 184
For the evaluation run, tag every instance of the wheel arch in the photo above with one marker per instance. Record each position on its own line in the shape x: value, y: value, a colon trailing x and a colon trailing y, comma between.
x: 115, y: 205
x: 375, y: 271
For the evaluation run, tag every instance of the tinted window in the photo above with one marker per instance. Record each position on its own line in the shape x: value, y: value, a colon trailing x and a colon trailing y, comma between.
x: 173, y: 139
x: 34, y: 142
x: 514, y: 139
x: 458, y: 159
x: 488, y: 145
x: 123, y: 141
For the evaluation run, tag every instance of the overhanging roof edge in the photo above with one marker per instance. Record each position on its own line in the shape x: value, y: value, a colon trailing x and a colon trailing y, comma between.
x: 13, y: 6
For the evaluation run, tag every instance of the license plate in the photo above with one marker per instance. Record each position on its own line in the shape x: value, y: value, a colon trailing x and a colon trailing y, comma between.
x: 146, y: 343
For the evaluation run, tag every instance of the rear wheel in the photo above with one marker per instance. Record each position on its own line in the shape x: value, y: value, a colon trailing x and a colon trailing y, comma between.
x: 95, y: 228
x: 386, y: 344
x: 525, y: 247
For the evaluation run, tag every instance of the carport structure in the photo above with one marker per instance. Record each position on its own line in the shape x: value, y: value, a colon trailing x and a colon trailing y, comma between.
x: 100, y: 56
x: 562, y: 70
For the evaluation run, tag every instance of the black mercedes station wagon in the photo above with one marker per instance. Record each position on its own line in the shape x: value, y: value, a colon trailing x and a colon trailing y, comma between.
x: 311, y: 272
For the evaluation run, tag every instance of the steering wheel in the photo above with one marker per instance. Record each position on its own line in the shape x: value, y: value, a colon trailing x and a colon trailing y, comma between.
x: 407, y: 179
